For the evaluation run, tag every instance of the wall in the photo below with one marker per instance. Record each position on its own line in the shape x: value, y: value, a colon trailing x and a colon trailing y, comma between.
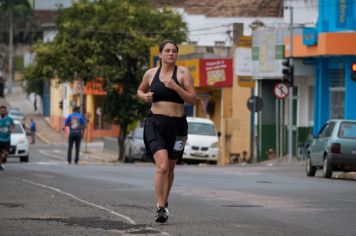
x: 50, y: 4
x: 56, y: 119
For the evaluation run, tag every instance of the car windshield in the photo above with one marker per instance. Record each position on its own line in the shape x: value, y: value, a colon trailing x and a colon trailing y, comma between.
x: 17, y: 129
x: 201, y: 129
x: 347, y: 130
x: 16, y: 113
x: 138, y: 133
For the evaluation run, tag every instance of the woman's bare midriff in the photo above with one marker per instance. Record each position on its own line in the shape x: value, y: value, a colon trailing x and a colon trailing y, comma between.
x: 168, y: 109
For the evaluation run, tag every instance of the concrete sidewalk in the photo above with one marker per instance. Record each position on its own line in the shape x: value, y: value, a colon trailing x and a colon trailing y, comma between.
x: 45, y: 134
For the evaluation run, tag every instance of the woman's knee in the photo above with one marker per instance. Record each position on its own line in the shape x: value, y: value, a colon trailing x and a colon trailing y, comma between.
x: 162, y: 169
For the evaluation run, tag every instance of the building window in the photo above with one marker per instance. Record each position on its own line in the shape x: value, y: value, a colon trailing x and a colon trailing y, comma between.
x: 311, y: 106
x: 337, y: 93
x: 219, y: 43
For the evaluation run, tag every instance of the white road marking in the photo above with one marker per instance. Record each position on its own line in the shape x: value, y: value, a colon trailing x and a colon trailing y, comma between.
x: 46, y: 153
x: 47, y: 163
x: 128, y: 219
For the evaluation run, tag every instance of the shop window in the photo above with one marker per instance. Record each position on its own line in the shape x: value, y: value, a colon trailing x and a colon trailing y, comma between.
x: 337, y: 93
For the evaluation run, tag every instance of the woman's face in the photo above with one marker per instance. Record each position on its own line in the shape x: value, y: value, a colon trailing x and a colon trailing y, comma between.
x: 169, y: 53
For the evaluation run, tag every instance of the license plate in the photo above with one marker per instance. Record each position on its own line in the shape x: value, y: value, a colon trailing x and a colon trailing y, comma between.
x: 199, y: 154
x: 354, y: 151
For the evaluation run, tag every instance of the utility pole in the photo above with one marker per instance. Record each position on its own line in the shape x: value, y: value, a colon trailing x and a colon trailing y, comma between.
x: 11, y: 48
x: 290, y: 98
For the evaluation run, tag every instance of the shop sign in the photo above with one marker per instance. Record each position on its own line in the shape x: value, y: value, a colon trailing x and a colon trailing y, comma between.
x: 216, y: 72
x: 310, y: 36
x: 243, y: 62
x: 246, y: 82
x: 255, y: 53
x: 94, y: 87
x: 279, y: 49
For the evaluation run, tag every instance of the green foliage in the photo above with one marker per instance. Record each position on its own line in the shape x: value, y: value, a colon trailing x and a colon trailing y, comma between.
x: 22, y: 15
x: 108, y: 39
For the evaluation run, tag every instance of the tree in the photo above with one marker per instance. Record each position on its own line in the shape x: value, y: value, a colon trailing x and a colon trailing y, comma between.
x: 108, y: 39
x: 17, y: 21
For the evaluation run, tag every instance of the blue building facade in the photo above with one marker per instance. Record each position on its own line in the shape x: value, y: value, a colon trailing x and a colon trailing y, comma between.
x: 333, y: 46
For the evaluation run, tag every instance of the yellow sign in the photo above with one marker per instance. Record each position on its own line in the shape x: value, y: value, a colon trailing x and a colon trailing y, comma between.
x: 245, y: 81
x: 245, y: 42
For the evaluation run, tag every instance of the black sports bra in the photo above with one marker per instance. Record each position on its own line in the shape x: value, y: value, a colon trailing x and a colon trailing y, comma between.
x: 161, y: 92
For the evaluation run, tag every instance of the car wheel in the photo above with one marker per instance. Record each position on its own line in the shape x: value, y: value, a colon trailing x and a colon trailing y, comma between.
x: 327, y: 168
x: 128, y: 158
x: 310, y: 169
x: 24, y: 159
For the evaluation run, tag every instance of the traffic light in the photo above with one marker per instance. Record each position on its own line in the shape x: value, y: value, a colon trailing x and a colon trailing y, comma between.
x: 60, y: 104
x: 288, y: 72
x: 353, y: 71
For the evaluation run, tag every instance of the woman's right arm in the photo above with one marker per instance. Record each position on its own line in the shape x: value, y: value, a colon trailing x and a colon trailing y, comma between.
x: 143, y: 91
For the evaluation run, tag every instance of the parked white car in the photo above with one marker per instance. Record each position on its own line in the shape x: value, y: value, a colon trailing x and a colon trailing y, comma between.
x: 16, y: 115
x: 202, y: 143
x: 19, y: 143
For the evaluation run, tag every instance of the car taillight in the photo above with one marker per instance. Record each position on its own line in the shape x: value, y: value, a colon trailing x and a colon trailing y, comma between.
x: 336, y: 148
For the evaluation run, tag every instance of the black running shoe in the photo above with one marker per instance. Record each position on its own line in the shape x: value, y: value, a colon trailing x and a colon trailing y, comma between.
x: 162, y: 215
x: 1, y: 167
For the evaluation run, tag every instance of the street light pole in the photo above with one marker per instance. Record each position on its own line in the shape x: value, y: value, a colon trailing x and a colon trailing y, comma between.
x: 11, y: 47
x: 290, y: 98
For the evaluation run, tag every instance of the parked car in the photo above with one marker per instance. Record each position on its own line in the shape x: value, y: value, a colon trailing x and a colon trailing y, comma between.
x: 202, y: 143
x: 19, y: 143
x: 14, y: 109
x: 333, y: 149
x: 16, y: 115
x: 134, y: 146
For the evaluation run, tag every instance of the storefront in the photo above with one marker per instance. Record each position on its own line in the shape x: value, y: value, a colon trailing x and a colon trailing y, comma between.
x: 68, y: 95
x: 331, y: 46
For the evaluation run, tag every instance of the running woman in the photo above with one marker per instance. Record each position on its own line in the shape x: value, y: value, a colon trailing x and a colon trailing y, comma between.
x: 167, y: 88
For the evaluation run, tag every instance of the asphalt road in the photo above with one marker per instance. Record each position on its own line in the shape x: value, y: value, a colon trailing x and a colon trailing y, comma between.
x: 49, y: 197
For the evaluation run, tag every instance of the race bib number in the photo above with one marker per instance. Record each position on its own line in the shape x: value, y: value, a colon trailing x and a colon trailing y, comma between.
x: 179, y: 143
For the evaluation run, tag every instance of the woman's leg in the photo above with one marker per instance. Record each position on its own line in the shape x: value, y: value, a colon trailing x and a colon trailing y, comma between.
x: 172, y: 165
x: 162, y: 176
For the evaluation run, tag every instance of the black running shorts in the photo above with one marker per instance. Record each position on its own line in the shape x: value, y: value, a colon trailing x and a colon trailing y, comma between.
x: 165, y: 132
x: 5, y: 146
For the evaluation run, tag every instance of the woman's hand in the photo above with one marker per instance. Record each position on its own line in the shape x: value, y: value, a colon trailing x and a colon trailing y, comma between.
x: 148, y: 97
x: 170, y: 83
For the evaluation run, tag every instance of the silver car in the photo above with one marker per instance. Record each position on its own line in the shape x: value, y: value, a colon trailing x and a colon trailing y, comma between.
x: 134, y: 146
x: 333, y: 149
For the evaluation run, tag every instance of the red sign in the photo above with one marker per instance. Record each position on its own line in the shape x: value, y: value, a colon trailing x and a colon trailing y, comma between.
x: 95, y: 87
x: 281, y: 90
x: 216, y: 72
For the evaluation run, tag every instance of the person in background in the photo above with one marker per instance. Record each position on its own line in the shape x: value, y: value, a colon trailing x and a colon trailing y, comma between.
x: 166, y: 88
x: 6, y: 125
x: 76, y: 123
x: 33, y: 130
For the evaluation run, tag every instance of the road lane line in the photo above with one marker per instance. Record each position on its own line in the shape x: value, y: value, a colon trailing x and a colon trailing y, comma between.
x: 128, y: 219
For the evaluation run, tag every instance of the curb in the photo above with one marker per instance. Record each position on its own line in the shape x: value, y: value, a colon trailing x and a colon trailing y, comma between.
x: 40, y: 136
